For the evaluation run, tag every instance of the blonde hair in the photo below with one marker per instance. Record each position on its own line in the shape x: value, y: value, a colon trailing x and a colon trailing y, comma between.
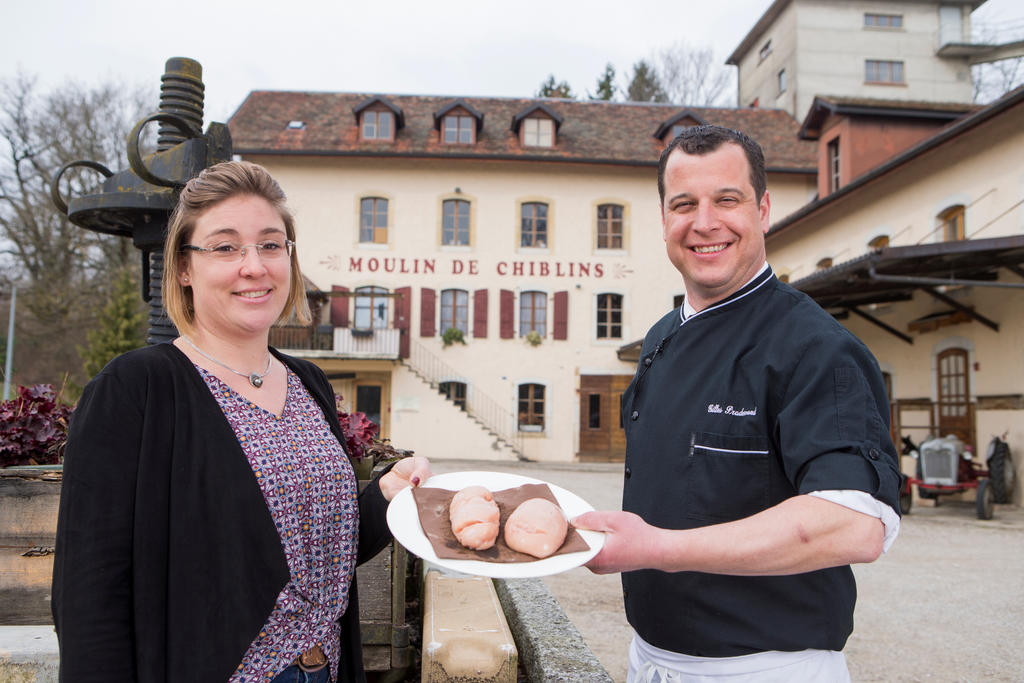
x: 212, y: 186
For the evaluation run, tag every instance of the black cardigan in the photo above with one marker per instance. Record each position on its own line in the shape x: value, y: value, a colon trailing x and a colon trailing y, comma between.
x: 167, y: 560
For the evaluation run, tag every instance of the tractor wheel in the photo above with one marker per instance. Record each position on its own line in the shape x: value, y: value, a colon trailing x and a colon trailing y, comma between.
x: 906, y: 500
x: 986, y: 499
x: 1001, y: 472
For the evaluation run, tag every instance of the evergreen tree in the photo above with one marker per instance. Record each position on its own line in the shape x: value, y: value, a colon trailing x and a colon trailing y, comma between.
x: 645, y: 86
x: 120, y: 327
x: 605, y: 85
x: 550, y: 88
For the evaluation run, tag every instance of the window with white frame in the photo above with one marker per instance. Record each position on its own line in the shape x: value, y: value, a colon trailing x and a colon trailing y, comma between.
x: 373, y: 220
x: 883, y: 20
x: 371, y: 308
x: 455, y: 222
x: 534, y: 225
x: 531, y: 407
x: 377, y: 125
x: 609, y: 316
x: 782, y: 81
x: 832, y: 154
x: 609, y: 226
x: 538, y: 132
x: 882, y: 71
x: 455, y: 310
x: 952, y: 223
x: 454, y: 392
x: 533, y: 313
x: 459, y: 129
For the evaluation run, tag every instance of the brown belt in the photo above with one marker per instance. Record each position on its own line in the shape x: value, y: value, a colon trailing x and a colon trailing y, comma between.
x: 312, y: 659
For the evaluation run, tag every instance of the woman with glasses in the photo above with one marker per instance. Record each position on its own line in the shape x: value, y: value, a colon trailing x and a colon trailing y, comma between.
x: 210, y: 523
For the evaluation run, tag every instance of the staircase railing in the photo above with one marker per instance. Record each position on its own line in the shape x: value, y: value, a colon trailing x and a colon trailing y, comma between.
x: 485, y: 410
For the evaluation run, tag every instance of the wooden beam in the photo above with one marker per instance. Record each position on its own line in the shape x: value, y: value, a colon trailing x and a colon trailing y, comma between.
x: 875, y: 321
x: 960, y: 307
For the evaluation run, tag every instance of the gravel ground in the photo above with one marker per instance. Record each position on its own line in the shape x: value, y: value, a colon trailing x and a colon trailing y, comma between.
x: 946, y: 603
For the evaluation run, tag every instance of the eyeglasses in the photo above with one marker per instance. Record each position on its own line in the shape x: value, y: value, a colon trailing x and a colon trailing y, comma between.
x: 268, y: 250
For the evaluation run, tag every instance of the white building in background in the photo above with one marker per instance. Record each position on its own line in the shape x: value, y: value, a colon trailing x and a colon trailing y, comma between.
x: 531, y: 226
x: 896, y: 50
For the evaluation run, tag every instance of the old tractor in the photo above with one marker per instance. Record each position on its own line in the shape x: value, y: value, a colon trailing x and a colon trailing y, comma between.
x: 946, y: 466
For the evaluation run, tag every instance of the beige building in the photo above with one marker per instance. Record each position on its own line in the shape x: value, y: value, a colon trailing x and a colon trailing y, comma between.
x: 897, y: 50
x: 922, y: 257
x: 530, y: 226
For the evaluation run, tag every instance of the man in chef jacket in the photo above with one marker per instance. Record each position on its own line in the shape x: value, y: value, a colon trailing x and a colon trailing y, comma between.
x: 759, y: 465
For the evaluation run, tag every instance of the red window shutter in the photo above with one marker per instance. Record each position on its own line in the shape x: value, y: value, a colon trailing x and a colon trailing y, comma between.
x: 339, y: 307
x: 561, y: 328
x: 506, y: 314
x: 403, y: 311
x: 427, y: 302
x: 480, y: 314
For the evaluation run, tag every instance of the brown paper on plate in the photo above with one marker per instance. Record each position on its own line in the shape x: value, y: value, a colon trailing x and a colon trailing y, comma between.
x: 432, y: 506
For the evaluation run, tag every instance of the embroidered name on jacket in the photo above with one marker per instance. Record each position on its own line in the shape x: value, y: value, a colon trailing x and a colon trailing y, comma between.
x: 731, y: 410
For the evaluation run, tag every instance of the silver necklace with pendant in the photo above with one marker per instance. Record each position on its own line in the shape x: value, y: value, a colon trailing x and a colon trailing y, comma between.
x: 255, y: 379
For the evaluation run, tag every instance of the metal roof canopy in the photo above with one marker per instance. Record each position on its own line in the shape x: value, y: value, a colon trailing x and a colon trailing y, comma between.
x: 893, y: 273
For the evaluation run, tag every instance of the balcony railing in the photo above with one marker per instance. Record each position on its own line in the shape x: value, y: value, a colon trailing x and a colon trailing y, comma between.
x: 372, y: 343
x: 306, y: 337
x: 344, y: 342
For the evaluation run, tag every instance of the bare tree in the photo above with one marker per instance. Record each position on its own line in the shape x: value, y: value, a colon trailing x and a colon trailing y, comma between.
x: 992, y: 80
x: 62, y: 271
x: 691, y: 76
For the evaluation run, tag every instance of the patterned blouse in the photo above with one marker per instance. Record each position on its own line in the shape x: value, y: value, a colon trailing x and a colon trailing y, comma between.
x: 310, y: 489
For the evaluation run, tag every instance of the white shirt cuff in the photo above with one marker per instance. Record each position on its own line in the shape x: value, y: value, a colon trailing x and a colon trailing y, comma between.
x: 867, y: 504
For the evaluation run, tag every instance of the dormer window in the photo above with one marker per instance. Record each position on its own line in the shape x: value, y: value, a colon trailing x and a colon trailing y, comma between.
x: 377, y: 125
x: 458, y: 123
x: 538, y: 132
x: 378, y: 119
x: 296, y: 125
x: 537, y: 126
x: 670, y: 128
x: 458, y: 129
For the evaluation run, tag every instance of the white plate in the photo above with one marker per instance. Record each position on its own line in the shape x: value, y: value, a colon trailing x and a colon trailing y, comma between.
x: 404, y: 521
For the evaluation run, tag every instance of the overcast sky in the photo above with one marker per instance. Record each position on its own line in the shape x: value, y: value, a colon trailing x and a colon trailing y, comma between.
x: 482, y: 48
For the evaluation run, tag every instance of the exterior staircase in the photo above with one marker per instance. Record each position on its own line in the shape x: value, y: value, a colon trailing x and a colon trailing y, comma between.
x: 497, y: 421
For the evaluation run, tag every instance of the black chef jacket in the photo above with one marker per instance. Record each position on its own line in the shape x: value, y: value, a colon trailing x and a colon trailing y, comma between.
x: 759, y: 398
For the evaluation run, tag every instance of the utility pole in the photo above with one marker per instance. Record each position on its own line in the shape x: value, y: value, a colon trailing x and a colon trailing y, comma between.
x: 10, y: 345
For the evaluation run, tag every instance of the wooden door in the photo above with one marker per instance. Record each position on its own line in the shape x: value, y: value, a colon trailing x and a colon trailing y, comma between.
x: 954, y: 404
x: 601, y: 433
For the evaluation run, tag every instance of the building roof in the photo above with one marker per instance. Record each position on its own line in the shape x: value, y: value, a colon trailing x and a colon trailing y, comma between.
x: 892, y: 273
x: 828, y: 105
x: 591, y: 132
x: 1009, y: 101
